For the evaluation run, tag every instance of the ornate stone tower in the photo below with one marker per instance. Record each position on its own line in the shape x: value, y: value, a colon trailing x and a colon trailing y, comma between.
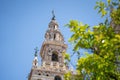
x: 52, y: 66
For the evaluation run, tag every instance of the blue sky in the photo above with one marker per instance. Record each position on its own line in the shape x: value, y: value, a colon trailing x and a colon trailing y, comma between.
x: 23, y: 24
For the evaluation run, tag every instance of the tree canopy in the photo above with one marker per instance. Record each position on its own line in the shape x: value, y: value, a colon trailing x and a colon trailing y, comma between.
x: 103, y: 42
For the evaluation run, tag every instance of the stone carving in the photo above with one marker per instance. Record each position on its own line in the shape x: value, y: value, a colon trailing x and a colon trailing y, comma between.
x: 57, y: 36
x: 47, y: 36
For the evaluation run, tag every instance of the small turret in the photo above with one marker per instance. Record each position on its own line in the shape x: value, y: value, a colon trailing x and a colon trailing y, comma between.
x: 35, y: 61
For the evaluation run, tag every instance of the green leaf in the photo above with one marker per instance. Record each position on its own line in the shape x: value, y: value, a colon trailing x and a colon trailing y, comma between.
x: 67, y: 56
x: 103, y: 12
x: 108, y: 1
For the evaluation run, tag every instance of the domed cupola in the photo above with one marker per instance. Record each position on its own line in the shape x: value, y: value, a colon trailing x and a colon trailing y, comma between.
x: 53, y: 25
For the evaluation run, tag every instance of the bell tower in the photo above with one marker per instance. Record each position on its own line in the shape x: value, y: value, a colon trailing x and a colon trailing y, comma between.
x: 52, y: 60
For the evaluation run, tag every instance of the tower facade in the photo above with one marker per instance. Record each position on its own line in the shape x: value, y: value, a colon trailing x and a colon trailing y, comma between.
x: 52, y: 64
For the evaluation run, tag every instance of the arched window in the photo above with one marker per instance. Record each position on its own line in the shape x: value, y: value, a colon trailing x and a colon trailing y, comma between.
x: 57, y: 78
x: 54, y: 36
x: 54, y: 56
x: 54, y: 26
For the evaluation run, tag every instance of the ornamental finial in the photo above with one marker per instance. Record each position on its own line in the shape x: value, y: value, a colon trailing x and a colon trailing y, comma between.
x: 53, y: 18
x: 36, y: 51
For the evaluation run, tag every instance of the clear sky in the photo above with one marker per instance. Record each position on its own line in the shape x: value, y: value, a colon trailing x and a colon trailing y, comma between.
x: 23, y: 24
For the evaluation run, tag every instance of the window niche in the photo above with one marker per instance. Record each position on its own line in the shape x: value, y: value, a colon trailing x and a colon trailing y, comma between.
x: 39, y: 74
x: 47, y: 75
x: 54, y: 56
x: 57, y: 78
x: 54, y: 36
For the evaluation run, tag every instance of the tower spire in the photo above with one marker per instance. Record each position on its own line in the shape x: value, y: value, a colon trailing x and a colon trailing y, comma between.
x: 52, y: 60
x: 53, y: 18
x: 35, y: 61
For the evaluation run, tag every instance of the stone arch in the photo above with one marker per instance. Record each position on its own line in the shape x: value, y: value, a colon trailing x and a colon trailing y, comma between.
x: 57, y: 78
x: 54, y: 56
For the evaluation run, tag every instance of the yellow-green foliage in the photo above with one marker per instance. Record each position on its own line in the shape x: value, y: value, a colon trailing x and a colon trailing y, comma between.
x: 103, y: 42
x: 116, y: 15
x: 70, y: 76
x: 66, y: 56
x: 67, y: 76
